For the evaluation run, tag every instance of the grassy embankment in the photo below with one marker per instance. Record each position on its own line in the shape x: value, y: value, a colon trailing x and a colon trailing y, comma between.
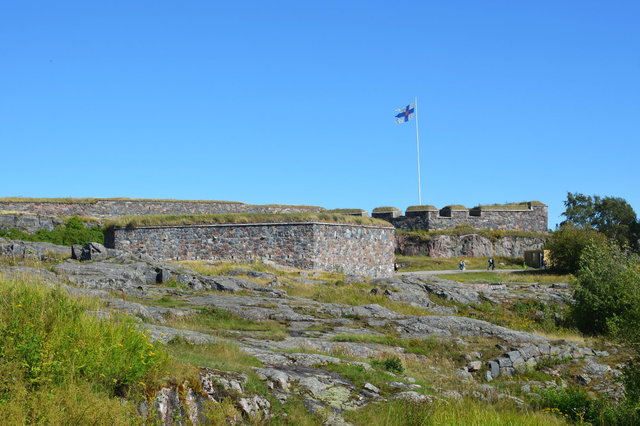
x: 233, y: 218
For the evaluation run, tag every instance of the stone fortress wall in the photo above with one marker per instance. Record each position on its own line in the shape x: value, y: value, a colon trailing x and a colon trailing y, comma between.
x: 527, y: 216
x: 107, y: 208
x: 351, y: 249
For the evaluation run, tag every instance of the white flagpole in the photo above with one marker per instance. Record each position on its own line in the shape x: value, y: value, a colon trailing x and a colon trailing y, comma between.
x: 418, y: 151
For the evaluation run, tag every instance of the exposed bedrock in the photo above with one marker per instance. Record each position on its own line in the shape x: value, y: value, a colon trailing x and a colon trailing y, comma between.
x: 468, y: 245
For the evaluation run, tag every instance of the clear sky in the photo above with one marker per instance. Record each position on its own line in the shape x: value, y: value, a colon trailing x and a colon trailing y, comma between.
x: 292, y: 102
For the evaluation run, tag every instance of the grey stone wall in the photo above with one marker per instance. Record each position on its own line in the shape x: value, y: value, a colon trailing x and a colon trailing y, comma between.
x: 352, y: 249
x: 533, y: 219
x: 111, y: 208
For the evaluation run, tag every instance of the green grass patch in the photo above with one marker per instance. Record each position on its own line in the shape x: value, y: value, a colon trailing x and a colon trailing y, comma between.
x: 427, y: 263
x: 429, y: 346
x: 539, y: 277
x: 72, y: 232
x: 465, y: 412
x: 354, y: 294
x: 222, y: 356
x: 217, y: 321
x: 359, y: 375
x: 232, y: 218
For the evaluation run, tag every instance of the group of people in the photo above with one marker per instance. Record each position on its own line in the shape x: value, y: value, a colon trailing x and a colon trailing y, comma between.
x: 491, y: 266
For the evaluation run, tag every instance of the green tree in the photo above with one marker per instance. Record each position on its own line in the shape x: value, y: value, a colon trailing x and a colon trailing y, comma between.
x: 566, y: 245
x: 607, y: 300
x: 612, y: 216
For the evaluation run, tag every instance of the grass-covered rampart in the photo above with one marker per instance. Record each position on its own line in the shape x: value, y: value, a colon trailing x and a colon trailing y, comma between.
x: 246, y: 218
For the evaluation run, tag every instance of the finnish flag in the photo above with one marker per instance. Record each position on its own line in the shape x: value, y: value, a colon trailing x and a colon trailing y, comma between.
x: 405, y: 114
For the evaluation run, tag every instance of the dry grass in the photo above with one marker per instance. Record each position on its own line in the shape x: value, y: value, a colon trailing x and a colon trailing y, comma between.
x: 386, y: 209
x: 425, y: 207
x: 523, y: 205
x: 70, y: 200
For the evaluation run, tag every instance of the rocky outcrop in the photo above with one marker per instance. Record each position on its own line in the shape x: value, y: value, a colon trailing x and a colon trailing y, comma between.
x: 29, y: 249
x: 28, y: 222
x: 467, y: 245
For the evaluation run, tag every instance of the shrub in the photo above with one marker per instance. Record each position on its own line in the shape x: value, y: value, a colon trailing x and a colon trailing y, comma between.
x: 49, y: 340
x: 566, y: 245
x: 607, y: 298
x: 392, y: 364
x: 72, y: 232
x: 575, y: 405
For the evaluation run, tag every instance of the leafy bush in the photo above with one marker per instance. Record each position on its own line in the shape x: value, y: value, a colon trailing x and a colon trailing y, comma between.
x: 607, y: 299
x: 575, y: 405
x: 566, y: 245
x: 51, y: 347
x: 72, y: 232
x: 392, y: 364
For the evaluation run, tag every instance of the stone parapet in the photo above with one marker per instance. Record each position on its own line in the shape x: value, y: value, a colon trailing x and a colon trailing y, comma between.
x: 532, y: 218
x: 350, y: 249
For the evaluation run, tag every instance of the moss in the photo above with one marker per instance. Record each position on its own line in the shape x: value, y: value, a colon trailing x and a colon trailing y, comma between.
x: 455, y: 207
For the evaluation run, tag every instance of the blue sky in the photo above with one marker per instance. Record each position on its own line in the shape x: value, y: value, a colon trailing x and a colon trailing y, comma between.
x: 292, y: 102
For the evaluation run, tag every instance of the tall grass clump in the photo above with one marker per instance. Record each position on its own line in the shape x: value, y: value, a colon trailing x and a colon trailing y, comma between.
x: 54, y: 353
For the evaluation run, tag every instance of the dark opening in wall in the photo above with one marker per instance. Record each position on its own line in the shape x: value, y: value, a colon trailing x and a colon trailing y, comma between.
x: 445, y: 212
x: 475, y: 212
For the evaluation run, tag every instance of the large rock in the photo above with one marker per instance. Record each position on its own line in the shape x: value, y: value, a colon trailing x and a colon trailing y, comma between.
x: 419, y: 327
x: 104, y: 275
x: 30, y: 249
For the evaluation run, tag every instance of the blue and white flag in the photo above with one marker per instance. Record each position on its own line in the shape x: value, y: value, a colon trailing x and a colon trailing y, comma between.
x: 405, y: 114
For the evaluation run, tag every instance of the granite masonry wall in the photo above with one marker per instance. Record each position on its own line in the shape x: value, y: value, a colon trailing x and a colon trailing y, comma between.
x: 533, y: 218
x: 112, y: 208
x: 351, y: 249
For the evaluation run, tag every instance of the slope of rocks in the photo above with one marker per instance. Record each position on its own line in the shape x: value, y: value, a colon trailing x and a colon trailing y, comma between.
x: 299, y: 363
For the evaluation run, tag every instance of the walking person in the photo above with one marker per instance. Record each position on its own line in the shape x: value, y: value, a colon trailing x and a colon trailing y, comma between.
x: 491, y: 265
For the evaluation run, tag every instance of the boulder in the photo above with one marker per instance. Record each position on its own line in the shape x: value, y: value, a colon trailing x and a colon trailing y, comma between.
x: 93, y: 251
